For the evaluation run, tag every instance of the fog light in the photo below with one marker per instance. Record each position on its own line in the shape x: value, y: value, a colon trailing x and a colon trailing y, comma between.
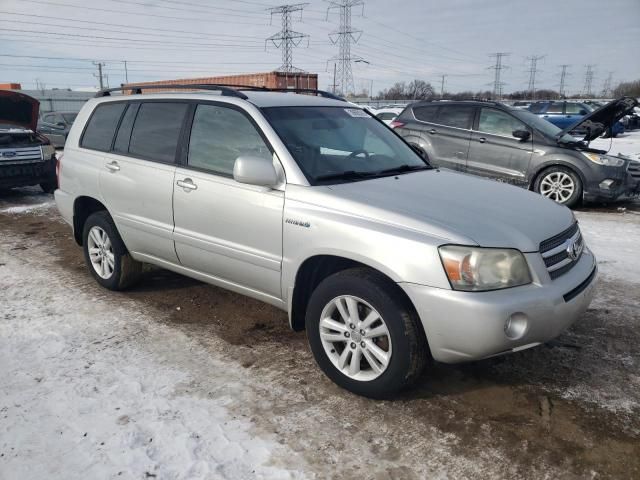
x: 606, y: 184
x: 516, y: 326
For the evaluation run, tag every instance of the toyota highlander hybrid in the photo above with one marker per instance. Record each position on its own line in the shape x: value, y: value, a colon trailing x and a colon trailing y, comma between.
x: 315, y: 206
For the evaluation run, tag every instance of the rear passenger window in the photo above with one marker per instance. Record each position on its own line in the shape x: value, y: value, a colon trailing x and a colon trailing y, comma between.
x: 124, y: 132
x: 156, y: 131
x: 459, y: 116
x: 220, y: 135
x: 555, y: 107
x: 426, y: 114
x: 102, y: 126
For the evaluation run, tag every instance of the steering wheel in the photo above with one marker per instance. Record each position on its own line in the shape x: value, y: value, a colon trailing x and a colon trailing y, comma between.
x: 355, y: 153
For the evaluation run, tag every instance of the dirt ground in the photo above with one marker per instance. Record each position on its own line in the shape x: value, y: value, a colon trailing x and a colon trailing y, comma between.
x: 569, y: 409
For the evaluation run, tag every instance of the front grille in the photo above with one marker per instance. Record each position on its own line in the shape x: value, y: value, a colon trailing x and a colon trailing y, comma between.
x: 634, y: 169
x: 12, y: 156
x: 561, y: 252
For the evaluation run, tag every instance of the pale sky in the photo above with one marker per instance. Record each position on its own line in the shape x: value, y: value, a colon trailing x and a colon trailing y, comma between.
x: 401, y: 40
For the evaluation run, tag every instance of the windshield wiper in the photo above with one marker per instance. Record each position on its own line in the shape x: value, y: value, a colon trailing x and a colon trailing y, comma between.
x: 403, y: 168
x: 348, y: 175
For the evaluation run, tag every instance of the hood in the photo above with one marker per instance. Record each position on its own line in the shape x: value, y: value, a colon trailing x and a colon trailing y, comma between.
x: 602, y: 119
x: 18, y: 109
x: 456, y: 207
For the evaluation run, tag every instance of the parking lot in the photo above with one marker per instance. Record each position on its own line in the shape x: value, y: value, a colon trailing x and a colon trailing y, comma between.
x: 178, y: 379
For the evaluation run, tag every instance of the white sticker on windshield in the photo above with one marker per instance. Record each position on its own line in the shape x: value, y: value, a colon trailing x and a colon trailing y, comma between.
x: 356, y: 112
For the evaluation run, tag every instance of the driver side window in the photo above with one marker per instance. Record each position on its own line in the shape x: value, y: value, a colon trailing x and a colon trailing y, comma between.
x: 499, y: 123
x: 219, y: 135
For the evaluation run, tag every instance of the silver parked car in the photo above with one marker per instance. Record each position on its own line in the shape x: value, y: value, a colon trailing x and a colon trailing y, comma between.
x: 315, y: 206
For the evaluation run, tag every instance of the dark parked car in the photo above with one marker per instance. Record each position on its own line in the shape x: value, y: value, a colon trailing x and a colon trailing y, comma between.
x: 564, y: 114
x: 56, y: 125
x: 515, y: 146
x: 26, y: 157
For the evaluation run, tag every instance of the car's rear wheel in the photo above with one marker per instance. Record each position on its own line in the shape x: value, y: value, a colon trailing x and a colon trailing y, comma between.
x: 561, y: 185
x: 364, y: 334
x: 106, y: 255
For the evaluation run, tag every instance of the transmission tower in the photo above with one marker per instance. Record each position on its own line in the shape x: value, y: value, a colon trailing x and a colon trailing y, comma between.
x: 343, y: 36
x: 533, y: 69
x: 606, y: 88
x: 563, y: 80
x: 498, y: 67
x: 587, y: 90
x: 286, y: 39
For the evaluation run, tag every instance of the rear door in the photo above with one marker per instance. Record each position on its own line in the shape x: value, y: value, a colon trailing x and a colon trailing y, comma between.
x: 225, y: 229
x: 136, y: 180
x: 495, y: 152
x: 450, y: 135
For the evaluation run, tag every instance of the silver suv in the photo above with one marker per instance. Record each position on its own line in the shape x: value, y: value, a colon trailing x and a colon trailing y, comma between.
x: 315, y: 206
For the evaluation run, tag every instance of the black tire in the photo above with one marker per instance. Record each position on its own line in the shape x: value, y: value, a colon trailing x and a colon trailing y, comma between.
x: 49, y: 187
x: 126, y: 270
x: 575, y: 198
x: 408, y: 342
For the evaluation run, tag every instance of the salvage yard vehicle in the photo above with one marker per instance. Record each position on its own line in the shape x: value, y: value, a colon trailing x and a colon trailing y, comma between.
x: 26, y: 157
x: 308, y: 203
x: 56, y: 125
x: 511, y: 145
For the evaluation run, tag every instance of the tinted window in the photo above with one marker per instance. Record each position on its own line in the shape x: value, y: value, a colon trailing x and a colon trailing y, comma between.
x: 102, y: 126
x: 576, y: 109
x: 536, y: 107
x: 459, y: 116
x: 426, y: 114
x: 555, y: 107
x: 219, y: 135
x: 124, y: 132
x: 498, y: 122
x: 156, y: 131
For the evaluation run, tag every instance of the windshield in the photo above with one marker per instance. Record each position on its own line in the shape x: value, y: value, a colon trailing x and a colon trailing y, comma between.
x: 69, y: 117
x: 337, y: 144
x: 548, y: 129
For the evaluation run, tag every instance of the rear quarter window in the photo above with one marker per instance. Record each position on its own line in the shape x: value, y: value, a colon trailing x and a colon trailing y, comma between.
x: 102, y: 126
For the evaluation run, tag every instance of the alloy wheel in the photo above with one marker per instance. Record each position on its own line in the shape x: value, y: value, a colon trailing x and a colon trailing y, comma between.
x: 101, y: 252
x: 557, y: 186
x: 355, y: 338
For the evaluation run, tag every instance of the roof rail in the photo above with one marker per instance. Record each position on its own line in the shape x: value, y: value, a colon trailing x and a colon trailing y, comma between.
x: 319, y: 93
x: 226, y: 90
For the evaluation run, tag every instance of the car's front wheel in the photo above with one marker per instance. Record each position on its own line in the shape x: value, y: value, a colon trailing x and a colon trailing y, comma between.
x: 106, y: 255
x: 561, y: 185
x: 364, y: 334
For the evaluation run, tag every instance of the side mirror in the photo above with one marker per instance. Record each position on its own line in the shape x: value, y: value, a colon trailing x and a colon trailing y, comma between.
x: 521, y: 134
x: 255, y: 171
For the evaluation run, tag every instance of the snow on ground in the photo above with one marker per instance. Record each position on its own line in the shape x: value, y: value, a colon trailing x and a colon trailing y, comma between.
x: 79, y: 399
x: 627, y: 143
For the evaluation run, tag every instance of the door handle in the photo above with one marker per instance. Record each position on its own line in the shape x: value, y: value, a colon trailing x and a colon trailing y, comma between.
x: 112, y: 166
x: 545, y: 116
x: 432, y: 131
x: 187, y: 184
x: 482, y: 139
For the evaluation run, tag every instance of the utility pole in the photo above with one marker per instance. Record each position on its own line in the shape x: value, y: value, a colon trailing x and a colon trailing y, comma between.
x: 343, y: 36
x: 563, y: 80
x: 286, y: 38
x: 442, y: 85
x: 606, y: 88
x: 533, y: 69
x: 333, y: 85
x: 99, y: 76
x: 126, y: 73
x: 588, y: 81
x: 498, y: 67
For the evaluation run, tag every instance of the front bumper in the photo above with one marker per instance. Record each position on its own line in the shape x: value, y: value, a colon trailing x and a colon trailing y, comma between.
x: 25, y: 174
x: 626, y: 183
x: 464, y: 326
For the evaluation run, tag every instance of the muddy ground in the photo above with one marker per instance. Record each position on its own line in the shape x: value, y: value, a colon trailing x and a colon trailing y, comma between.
x: 569, y: 409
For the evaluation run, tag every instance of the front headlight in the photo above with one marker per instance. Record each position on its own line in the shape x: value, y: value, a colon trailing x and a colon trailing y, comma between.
x: 48, y: 151
x: 475, y: 269
x: 605, y: 160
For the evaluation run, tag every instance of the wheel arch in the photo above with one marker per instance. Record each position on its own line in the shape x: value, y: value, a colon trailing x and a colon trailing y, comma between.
x: 84, y: 206
x: 555, y: 163
x: 315, y: 269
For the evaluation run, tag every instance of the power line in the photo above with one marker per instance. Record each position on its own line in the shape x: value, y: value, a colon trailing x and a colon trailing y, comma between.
x: 533, y: 69
x: 343, y: 36
x: 587, y: 89
x: 286, y: 39
x: 498, y: 67
x: 563, y: 79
